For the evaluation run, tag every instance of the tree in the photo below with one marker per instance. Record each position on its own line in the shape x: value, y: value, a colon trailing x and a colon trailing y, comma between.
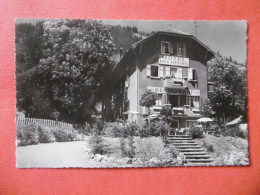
x: 148, y: 100
x: 167, y: 112
x: 77, y: 57
x: 230, y: 95
x: 206, y: 108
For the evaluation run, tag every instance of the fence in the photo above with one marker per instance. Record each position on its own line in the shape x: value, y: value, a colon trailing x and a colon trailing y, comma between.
x: 43, y: 123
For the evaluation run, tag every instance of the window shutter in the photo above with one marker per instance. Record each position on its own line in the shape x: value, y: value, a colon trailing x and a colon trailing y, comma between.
x: 179, y: 73
x: 161, y: 72
x: 190, y: 75
x: 185, y: 73
x: 195, y: 74
x: 148, y: 67
x: 168, y: 73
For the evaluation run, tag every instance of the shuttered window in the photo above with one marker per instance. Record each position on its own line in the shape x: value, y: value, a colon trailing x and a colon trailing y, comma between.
x: 181, y: 49
x: 165, y: 47
x: 192, y: 74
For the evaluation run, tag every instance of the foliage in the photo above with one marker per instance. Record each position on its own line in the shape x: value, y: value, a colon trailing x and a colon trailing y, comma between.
x: 120, y: 129
x: 172, y: 151
x: 125, y: 36
x: 127, y: 148
x: 97, y: 145
x: 210, y: 147
x: 195, y: 133
x: 148, y: 99
x: 206, y: 108
x: 234, y: 158
x: 167, y: 112
x: 230, y: 94
x: 148, y: 148
x: 73, y: 70
x: 45, y: 135
x: 62, y: 135
x: 28, y: 45
x: 234, y: 132
x: 27, y: 135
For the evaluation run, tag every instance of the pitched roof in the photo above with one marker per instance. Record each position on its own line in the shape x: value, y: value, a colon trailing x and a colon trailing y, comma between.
x: 172, y: 32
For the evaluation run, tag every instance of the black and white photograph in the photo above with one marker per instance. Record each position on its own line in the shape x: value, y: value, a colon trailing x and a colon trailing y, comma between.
x: 130, y: 93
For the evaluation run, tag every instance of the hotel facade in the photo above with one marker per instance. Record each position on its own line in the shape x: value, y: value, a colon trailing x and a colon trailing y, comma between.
x: 172, y: 64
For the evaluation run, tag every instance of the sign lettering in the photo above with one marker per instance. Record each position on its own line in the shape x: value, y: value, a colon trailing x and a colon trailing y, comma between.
x: 174, y: 61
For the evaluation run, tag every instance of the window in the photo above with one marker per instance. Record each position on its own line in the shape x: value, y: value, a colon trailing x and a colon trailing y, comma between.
x: 193, y: 101
x: 165, y: 47
x: 192, y: 74
x: 154, y: 71
x: 175, y: 72
x: 181, y: 49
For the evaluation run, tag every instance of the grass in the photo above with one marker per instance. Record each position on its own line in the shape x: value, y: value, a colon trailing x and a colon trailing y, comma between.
x: 224, y: 145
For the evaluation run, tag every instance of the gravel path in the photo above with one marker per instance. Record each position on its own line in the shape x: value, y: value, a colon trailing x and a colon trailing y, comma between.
x: 54, y: 155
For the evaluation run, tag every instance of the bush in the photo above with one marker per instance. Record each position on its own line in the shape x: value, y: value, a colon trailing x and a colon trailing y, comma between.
x: 234, y: 132
x: 209, y: 147
x: 120, y: 129
x: 97, y: 145
x: 195, y: 133
x: 62, y: 135
x: 45, y: 135
x: 155, y: 129
x: 127, y: 147
x: 148, y: 148
x: 27, y: 135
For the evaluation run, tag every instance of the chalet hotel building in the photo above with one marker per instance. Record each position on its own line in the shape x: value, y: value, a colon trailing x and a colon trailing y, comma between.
x: 171, y: 63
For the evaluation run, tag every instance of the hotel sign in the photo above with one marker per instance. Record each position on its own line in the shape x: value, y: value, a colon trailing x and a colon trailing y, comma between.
x: 175, y: 91
x: 174, y: 61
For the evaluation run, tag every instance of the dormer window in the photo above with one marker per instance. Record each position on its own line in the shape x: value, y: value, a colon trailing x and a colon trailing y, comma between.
x: 181, y: 49
x: 166, y: 47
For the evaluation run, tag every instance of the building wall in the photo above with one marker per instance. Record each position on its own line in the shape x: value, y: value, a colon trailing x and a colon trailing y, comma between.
x: 132, y: 91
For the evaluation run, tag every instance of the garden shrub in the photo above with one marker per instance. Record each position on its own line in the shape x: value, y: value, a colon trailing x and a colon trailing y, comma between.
x: 155, y: 129
x: 127, y: 147
x: 209, y: 147
x: 234, y: 132
x: 120, y: 129
x: 62, y: 135
x: 27, y: 135
x: 172, y: 151
x: 97, y: 145
x: 45, y: 135
x: 195, y: 133
x: 148, y: 148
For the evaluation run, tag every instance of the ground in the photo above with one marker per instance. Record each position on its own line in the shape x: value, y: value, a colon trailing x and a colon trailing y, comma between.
x: 224, y: 146
x: 73, y: 154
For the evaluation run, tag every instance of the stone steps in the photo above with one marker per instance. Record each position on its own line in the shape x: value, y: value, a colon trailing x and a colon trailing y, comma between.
x: 194, y: 153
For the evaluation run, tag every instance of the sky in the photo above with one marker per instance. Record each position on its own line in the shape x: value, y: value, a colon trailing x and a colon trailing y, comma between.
x: 229, y: 38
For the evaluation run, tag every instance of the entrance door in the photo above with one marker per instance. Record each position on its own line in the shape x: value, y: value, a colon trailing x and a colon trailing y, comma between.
x: 173, y: 99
